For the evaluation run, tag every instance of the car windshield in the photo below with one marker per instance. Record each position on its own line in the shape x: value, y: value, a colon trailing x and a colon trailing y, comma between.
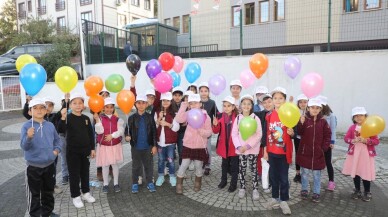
x: 6, y: 60
x: 9, y: 51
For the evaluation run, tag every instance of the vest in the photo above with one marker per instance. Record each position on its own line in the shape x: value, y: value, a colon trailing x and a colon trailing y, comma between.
x: 110, y: 126
x: 171, y: 136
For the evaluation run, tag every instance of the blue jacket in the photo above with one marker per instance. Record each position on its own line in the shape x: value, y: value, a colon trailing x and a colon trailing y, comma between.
x: 38, y: 150
x: 332, y: 121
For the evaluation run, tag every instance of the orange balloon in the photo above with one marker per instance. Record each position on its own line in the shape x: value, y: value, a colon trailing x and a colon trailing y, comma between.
x: 372, y: 126
x: 125, y: 100
x: 96, y: 103
x: 258, y: 64
x: 93, y: 85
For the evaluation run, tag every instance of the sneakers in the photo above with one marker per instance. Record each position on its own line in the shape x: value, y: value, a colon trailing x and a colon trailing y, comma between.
x: 135, y: 188
x: 304, y: 194
x: 117, y: 188
x: 151, y: 187
x: 241, y: 193
x: 207, y: 171
x: 57, y: 189
x: 285, y: 208
x: 140, y: 180
x: 272, y: 203
x: 173, y: 181
x: 232, y: 188
x: 268, y: 190
x: 222, y: 184
x: 367, y: 196
x: 356, y: 194
x: 65, y: 180
x: 105, y: 189
x: 77, y: 202
x: 166, y: 171
x: 331, y: 186
x: 316, y: 198
x: 255, y: 195
x: 297, y: 178
x: 88, y: 197
x: 159, y: 181
x: 191, y: 167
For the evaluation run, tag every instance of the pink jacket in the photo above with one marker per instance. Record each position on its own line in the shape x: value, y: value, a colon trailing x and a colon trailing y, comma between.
x: 371, y: 141
x: 194, y: 138
x: 253, y: 141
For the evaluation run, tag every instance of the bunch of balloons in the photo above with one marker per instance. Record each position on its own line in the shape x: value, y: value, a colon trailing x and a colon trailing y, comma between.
x: 32, y: 75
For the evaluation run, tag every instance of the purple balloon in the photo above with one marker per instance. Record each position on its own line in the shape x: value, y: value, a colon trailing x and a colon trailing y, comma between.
x: 292, y: 67
x: 153, y: 68
x: 217, y: 84
x: 195, y: 118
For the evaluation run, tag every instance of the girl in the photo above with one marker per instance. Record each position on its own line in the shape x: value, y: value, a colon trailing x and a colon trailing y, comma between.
x: 360, y: 162
x: 194, y: 143
x: 302, y: 105
x: 193, y: 87
x: 279, y: 148
x: 109, y: 129
x: 225, y: 147
x: 166, y: 134
x: 315, y: 139
x: 248, y: 149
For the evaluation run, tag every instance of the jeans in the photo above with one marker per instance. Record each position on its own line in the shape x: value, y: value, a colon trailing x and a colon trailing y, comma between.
x: 65, y: 171
x: 166, y: 153
x: 185, y: 164
x: 209, y: 151
x: 305, y: 173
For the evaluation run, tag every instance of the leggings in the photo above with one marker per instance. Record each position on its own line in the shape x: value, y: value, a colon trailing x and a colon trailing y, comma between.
x: 357, y: 184
x: 329, y: 165
x: 244, y: 159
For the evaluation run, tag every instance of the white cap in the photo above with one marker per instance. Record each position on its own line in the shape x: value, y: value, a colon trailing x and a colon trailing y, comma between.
x: 166, y: 96
x: 229, y: 99
x: 177, y: 89
x: 188, y: 93
x: 314, y: 102
x: 359, y: 111
x: 109, y: 101
x: 264, y: 96
x: 150, y: 92
x: 203, y: 84
x: 36, y: 101
x: 194, y: 98
x: 193, y: 84
x: 141, y: 97
x: 235, y: 83
x: 301, y: 97
x: 48, y: 99
x: 323, y: 99
x: 279, y: 90
x: 246, y: 96
x: 103, y: 90
x: 76, y: 95
x: 261, y: 89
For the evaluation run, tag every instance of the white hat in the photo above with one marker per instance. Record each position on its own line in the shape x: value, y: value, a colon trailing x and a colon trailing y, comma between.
x: 76, y: 95
x: 36, y: 101
x: 261, y: 89
x: 109, y: 101
x: 103, y: 90
x: 177, y: 89
x: 166, y: 96
x: 267, y: 95
x: 229, y: 99
x: 246, y: 96
x: 188, y: 93
x: 141, y: 97
x: 301, y: 97
x: 150, y: 92
x: 48, y: 99
x: 194, y: 98
x: 359, y: 111
x: 235, y: 83
x: 323, y: 99
x: 279, y: 90
x: 203, y: 84
x: 314, y: 102
x: 193, y: 84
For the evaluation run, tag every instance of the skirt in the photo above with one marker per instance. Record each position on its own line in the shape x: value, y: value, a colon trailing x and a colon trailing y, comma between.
x: 195, y: 154
x: 360, y: 163
x: 109, y: 155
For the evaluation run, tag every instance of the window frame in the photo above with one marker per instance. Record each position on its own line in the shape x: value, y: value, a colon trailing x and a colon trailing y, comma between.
x: 60, y: 5
x: 252, y: 7
x: 183, y: 23
x: 268, y: 18
x: 275, y: 12
x: 149, y: 5
x: 135, y: 3
x: 344, y: 7
x: 179, y: 23
x: 85, y: 2
x: 374, y: 8
x: 90, y: 25
x: 61, y: 28
x: 29, y: 6
x: 233, y: 11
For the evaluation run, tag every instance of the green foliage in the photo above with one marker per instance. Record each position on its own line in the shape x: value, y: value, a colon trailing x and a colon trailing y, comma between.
x: 8, y: 30
x: 55, y: 58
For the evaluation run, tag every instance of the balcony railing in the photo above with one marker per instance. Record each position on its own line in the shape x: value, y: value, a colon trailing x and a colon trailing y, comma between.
x: 22, y: 14
x: 61, y: 29
x: 60, y: 6
x: 42, y: 10
x: 85, y: 2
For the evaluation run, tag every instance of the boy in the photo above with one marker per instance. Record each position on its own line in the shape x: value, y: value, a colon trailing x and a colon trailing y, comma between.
x: 235, y: 90
x: 260, y: 90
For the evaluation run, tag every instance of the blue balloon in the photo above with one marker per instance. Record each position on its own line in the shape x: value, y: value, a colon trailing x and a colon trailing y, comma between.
x: 176, y: 78
x: 33, y: 77
x: 192, y: 72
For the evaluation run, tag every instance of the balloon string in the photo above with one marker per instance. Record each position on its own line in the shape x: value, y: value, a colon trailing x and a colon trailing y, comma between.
x: 126, y: 115
x: 32, y: 117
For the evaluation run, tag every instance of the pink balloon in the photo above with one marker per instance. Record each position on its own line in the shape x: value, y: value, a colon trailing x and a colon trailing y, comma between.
x: 312, y: 84
x: 178, y: 64
x: 247, y: 78
x: 163, y: 82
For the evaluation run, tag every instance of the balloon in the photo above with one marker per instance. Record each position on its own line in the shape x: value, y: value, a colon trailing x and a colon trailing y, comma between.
x: 33, y: 77
x: 93, y: 85
x: 312, y: 84
x: 247, y: 78
x: 167, y: 60
x: 163, y: 82
x: 195, y: 118
x: 176, y: 78
x: 114, y: 83
x: 23, y: 60
x: 217, y: 84
x: 96, y: 103
x: 133, y: 63
x: 153, y: 68
x: 125, y: 100
x: 372, y: 126
x: 289, y: 114
x: 66, y: 78
x: 247, y: 127
x: 292, y: 67
x: 192, y: 72
x: 258, y: 64
x: 178, y: 64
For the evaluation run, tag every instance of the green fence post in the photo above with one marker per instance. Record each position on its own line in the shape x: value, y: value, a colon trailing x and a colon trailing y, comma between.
x: 87, y: 41
x: 190, y: 36
x: 241, y: 32
x: 102, y: 45
x: 329, y: 29
x: 157, y: 40
x: 117, y: 45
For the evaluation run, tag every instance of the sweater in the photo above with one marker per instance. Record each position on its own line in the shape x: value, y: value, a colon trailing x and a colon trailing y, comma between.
x: 253, y: 141
x: 332, y: 121
x: 371, y: 141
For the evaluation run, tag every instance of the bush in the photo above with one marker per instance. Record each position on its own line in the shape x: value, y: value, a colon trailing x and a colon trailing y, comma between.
x: 55, y: 58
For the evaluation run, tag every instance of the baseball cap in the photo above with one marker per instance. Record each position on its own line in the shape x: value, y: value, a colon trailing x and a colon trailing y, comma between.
x: 359, y: 111
x: 109, y: 101
x: 48, y: 99
x: 261, y: 89
x: 323, y: 99
x: 141, y: 97
x: 76, y: 95
x: 301, y: 97
x: 177, y: 89
x: 279, y: 90
x: 235, y: 83
x: 36, y: 101
x: 150, y: 92
x: 246, y: 96
x: 188, y: 93
x: 194, y: 98
x: 229, y: 99
x: 193, y: 84
x: 166, y: 96
x: 314, y: 102
x: 267, y: 95
x: 203, y: 84
x: 103, y: 90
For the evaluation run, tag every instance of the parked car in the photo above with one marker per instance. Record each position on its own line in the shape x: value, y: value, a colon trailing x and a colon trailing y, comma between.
x: 35, y: 50
x: 7, y: 66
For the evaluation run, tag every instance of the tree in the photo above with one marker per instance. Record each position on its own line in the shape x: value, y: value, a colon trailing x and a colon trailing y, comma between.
x: 8, y: 29
x: 35, y: 30
x: 55, y: 58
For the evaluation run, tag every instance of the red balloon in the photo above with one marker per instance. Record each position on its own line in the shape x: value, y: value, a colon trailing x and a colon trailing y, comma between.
x: 96, y: 103
x: 167, y: 61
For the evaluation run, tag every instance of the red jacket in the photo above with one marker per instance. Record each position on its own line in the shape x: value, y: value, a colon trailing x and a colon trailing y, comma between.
x: 371, y: 142
x: 224, y: 131
x: 171, y: 136
x: 315, y: 140
x: 110, y: 126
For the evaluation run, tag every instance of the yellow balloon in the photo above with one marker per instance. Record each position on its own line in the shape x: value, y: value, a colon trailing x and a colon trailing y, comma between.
x: 66, y: 78
x: 289, y: 114
x: 23, y: 60
x: 372, y: 126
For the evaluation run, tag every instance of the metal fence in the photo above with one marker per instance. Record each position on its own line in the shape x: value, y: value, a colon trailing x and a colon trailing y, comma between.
x: 10, y: 98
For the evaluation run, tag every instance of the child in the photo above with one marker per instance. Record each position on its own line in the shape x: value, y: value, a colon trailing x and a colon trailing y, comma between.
x: 109, y: 129
x: 235, y: 90
x: 248, y: 149
x: 193, y: 87
x: 141, y: 133
x: 166, y: 134
x: 80, y: 147
x: 222, y: 125
x: 360, y: 162
x: 41, y: 145
x: 315, y: 139
x: 194, y: 143
x: 260, y: 90
x: 301, y: 102
x: 279, y: 148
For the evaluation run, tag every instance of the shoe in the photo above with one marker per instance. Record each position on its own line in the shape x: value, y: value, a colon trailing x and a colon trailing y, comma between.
x: 99, y: 175
x: 285, y: 208
x: 151, y: 187
x: 159, y: 181
x: 135, y: 188
x: 297, y: 178
x: 179, y: 186
x: 241, y: 193
x: 54, y: 215
x: 304, y: 194
x: 65, y: 180
x: 356, y: 194
x: 140, y: 180
x: 197, y: 183
x: 191, y: 167
x: 173, y: 181
x: 207, y: 171
x: 268, y: 190
x: 57, y: 189
x: 166, y: 171
x: 117, y: 188
x: 232, y: 188
x: 316, y: 198
x: 222, y: 184
x: 78, y: 202
x: 105, y: 189
x: 331, y: 186
x: 272, y: 203
x: 88, y: 197
x: 367, y: 196
x: 255, y: 195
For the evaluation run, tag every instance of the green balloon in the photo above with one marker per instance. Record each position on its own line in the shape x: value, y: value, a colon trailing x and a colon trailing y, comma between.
x: 114, y: 83
x: 247, y: 127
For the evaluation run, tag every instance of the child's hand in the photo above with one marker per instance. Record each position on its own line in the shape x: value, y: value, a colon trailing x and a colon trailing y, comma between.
x: 215, y: 121
x: 242, y: 149
x: 290, y: 131
x: 331, y: 146
x: 93, y: 154
x: 64, y: 113
x: 67, y: 97
x: 302, y: 119
x: 28, y: 98
x: 265, y: 155
x: 127, y: 138
x: 362, y: 140
x: 96, y: 117
x: 30, y: 132
x: 133, y: 80
x: 291, y: 99
x: 108, y: 138
x: 154, y: 150
x: 55, y: 152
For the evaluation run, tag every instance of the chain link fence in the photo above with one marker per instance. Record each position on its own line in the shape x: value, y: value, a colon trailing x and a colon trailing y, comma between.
x: 10, y: 98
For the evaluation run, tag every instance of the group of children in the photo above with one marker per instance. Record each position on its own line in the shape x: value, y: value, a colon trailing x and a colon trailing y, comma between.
x: 159, y: 126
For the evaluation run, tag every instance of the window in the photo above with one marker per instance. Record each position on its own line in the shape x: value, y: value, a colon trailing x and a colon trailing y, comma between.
x: 185, y: 23
x: 279, y: 10
x: 60, y: 5
x: 167, y: 21
x: 122, y: 20
x: 350, y: 5
x: 147, y: 4
x: 33, y: 49
x: 22, y: 11
x: 61, y: 24
x: 176, y: 23
x: 263, y: 11
x: 29, y: 6
x: 19, y: 50
x: 236, y: 15
x: 249, y: 13
x: 135, y: 2
x: 85, y: 2
x: 41, y: 7
x: 372, y: 4
x: 88, y: 16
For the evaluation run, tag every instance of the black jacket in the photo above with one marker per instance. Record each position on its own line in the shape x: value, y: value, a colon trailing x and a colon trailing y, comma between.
x: 133, y: 125
x: 261, y: 115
